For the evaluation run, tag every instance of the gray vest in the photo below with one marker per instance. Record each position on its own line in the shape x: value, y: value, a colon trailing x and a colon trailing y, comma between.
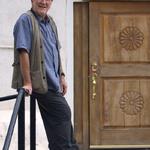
x: 36, y: 57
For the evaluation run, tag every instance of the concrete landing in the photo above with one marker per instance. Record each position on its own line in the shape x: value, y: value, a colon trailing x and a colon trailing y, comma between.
x: 41, y: 139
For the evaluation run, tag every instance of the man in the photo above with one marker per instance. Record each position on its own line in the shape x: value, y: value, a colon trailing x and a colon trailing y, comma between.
x: 37, y: 68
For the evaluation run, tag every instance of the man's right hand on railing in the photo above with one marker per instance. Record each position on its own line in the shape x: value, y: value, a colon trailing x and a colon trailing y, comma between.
x: 28, y: 89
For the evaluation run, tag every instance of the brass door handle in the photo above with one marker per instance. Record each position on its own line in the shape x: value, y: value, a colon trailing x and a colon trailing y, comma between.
x: 94, y: 79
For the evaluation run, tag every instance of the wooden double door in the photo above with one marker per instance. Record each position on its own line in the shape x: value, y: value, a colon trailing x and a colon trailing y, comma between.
x: 112, y: 74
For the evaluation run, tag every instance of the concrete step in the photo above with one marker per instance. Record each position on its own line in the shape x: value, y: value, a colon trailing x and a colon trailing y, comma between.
x: 41, y: 139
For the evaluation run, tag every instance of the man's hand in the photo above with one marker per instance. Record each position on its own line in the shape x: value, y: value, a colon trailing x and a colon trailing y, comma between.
x: 63, y: 84
x: 28, y: 89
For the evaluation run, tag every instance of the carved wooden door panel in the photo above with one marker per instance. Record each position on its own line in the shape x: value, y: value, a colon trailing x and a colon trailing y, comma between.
x: 119, y: 56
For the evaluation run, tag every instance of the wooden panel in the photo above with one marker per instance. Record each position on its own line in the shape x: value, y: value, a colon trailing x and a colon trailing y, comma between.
x: 113, y: 116
x: 126, y: 39
x: 124, y: 70
x: 144, y: 87
x: 125, y: 137
x: 118, y: 123
x: 81, y: 74
x: 126, y: 103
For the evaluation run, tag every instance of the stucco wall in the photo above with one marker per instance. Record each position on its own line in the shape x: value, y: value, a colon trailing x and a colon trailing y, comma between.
x: 8, y: 18
x: 9, y: 12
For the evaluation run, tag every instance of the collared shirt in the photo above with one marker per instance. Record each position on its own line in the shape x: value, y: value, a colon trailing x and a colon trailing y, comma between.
x: 23, y: 39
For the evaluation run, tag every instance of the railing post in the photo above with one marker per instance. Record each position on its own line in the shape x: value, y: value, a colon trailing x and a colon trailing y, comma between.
x: 21, y: 125
x: 19, y: 110
x: 32, y: 123
x: 13, y: 120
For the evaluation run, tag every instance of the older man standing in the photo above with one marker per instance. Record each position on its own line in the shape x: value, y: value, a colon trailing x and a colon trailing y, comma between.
x: 37, y: 68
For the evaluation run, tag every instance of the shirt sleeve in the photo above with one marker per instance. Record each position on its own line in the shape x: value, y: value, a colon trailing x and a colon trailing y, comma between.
x: 23, y: 33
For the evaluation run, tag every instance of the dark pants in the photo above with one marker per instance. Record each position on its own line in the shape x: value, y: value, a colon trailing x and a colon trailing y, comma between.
x: 56, y: 117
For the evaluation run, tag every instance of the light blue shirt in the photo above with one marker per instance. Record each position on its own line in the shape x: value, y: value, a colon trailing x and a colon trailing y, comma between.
x: 23, y: 39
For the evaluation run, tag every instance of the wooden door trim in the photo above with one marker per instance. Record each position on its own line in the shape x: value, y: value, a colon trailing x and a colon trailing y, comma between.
x: 81, y: 39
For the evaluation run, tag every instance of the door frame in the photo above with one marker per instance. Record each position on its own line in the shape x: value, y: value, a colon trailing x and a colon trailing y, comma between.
x: 81, y: 74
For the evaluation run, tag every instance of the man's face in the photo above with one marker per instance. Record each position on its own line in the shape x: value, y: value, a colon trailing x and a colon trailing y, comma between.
x: 41, y: 7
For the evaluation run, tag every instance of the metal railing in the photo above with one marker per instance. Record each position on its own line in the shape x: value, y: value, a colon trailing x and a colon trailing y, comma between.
x: 19, y: 110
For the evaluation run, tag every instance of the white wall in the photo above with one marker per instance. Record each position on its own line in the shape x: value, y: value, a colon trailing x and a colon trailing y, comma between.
x: 8, y: 18
x: 9, y: 12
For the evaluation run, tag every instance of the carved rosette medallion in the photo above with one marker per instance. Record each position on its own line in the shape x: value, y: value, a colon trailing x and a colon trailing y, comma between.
x: 131, y: 38
x: 131, y: 102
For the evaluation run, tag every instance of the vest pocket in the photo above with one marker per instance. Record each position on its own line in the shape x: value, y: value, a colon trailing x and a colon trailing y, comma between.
x: 39, y: 82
